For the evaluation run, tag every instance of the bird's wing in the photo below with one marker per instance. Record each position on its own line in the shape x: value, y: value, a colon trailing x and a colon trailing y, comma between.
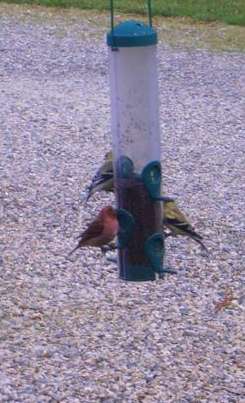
x: 171, y: 213
x: 175, y: 213
x: 98, y: 180
x: 183, y: 226
x: 103, y: 173
x: 108, y: 186
x: 94, y: 230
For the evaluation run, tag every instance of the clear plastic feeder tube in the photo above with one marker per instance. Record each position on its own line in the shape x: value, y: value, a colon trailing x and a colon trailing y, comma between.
x: 136, y: 152
x: 134, y: 105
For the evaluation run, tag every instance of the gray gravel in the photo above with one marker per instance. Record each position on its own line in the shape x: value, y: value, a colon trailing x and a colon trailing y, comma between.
x: 71, y: 331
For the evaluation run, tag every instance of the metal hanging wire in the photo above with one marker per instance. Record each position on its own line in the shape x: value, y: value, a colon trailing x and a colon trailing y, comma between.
x: 149, y: 12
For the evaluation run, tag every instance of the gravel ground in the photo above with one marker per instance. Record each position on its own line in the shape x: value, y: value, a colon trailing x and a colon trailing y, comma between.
x: 71, y: 331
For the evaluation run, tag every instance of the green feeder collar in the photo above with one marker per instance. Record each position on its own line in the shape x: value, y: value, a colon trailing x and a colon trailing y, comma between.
x: 131, y: 34
x: 151, y: 176
x: 154, y: 249
x: 126, y: 224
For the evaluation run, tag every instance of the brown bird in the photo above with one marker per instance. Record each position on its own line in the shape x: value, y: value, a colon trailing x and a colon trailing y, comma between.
x: 101, y: 231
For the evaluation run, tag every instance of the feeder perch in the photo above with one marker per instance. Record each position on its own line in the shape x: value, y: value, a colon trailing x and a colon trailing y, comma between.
x: 136, y: 148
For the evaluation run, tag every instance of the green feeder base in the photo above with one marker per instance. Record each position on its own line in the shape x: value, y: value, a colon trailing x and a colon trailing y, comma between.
x: 137, y: 273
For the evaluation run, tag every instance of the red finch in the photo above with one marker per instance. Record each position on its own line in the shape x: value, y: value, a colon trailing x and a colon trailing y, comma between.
x: 101, y: 231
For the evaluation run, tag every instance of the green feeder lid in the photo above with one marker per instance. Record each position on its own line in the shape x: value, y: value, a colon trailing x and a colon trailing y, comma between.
x: 131, y: 33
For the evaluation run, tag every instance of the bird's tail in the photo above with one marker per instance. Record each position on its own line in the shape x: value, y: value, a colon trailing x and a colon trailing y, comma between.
x: 198, y: 240
x: 86, y: 197
x: 73, y: 250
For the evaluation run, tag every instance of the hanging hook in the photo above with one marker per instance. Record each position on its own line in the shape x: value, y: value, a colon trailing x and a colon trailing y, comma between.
x: 149, y: 12
x: 112, y: 14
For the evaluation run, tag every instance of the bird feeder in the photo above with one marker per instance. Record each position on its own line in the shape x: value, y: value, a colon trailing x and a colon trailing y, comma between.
x: 136, y: 148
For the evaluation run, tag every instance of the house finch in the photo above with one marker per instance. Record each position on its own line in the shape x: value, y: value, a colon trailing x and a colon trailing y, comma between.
x: 177, y: 223
x: 103, y: 179
x: 101, y: 231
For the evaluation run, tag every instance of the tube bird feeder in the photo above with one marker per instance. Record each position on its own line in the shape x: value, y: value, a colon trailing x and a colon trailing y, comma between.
x: 136, y: 148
